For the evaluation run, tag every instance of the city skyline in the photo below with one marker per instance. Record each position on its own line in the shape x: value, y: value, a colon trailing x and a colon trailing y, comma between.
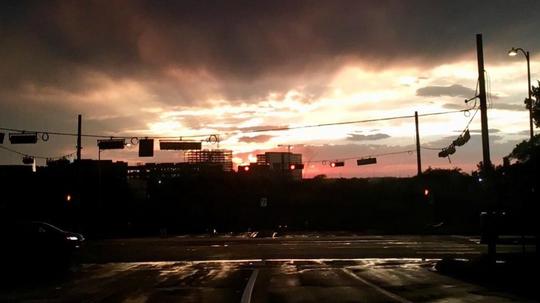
x: 135, y: 68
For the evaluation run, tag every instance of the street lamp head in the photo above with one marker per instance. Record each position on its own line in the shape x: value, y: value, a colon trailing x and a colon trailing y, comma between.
x: 513, y: 52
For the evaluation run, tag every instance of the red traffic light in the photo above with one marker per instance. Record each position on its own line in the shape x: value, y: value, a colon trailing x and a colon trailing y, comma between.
x: 426, y: 192
x: 243, y: 168
x: 337, y: 164
x: 296, y: 166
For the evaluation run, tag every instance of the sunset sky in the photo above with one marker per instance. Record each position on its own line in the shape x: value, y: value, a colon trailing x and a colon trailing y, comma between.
x: 164, y: 68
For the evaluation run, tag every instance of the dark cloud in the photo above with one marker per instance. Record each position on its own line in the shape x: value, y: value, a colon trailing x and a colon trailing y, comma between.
x: 478, y: 131
x: 508, y: 106
x: 455, y: 90
x: 371, y: 137
x: 453, y: 106
x: 190, y: 51
x: 255, y: 139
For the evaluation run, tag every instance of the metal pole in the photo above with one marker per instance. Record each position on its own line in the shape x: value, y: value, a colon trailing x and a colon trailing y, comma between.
x: 418, y: 156
x: 529, y: 94
x: 492, y: 248
x: 79, y: 147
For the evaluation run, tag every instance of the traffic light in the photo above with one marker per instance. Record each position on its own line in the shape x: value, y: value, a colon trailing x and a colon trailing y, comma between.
x: 23, y: 138
x: 451, y: 149
x: 296, y: 166
x: 443, y: 153
x: 243, y: 168
x: 146, y: 148
x: 337, y: 164
x: 28, y: 160
x: 428, y: 196
x: 111, y: 144
x: 462, y: 139
x: 1, y: 138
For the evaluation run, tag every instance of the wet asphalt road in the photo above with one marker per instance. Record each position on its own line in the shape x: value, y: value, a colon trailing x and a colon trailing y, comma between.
x: 303, y: 246
x: 239, y: 269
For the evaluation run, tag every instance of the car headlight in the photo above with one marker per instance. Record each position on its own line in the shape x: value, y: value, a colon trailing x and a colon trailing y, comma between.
x: 72, y: 238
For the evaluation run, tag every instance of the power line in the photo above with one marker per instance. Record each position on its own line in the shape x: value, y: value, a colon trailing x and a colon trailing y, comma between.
x: 410, y: 151
x: 35, y: 156
x: 97, y: 136
x: 431, y: 148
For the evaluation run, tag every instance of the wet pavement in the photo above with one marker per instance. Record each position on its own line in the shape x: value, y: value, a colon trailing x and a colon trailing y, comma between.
x: 285, y: 247
x: 315, y: 280
x: 243, y: 268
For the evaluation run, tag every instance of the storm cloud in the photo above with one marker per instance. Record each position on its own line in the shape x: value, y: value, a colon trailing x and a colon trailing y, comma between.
x: 455, y: 90
x: 255, y: 139
x: 144, y: 67
x: 191, y: 51
x: 370, y: 137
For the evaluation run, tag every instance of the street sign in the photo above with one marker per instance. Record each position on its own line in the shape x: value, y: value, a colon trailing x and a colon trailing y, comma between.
x: 146, y: 147
x: 264, y: 202
x: 366, y: 161
x: 112, y: 144
x: 23, y: 138
x: 179, y: 145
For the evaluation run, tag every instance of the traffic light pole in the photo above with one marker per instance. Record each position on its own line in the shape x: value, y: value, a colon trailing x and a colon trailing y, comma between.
x: 418, y: 156
x: 79, y: 128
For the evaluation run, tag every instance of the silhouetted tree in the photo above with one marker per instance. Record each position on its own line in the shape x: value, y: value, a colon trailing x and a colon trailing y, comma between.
x: 525, y: 151
x: 536, y: 104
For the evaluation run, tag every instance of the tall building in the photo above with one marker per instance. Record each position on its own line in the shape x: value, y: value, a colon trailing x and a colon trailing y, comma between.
x: 281, y: 161
x: 222, y: 157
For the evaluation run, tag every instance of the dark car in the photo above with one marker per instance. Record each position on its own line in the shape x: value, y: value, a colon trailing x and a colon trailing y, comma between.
x: 39, y: 244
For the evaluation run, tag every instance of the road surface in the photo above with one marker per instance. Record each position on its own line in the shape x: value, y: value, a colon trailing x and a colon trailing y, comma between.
x: 237, y: 269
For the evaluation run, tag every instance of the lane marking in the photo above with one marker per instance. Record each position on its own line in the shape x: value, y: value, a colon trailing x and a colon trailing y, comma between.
x: 375, y: 287
x: 248, y: 291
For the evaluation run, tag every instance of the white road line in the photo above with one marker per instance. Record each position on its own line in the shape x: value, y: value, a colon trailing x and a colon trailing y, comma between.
x: 377, y: 288
x: 246, y: 296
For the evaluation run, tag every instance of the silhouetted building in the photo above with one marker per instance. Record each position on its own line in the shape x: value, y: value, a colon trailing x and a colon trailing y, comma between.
x: 172, y: 170
x: 223, y: 157
x: 282, y: 161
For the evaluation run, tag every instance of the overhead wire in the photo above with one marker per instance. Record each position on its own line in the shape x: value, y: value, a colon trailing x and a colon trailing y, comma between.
x: 237, y: 132
x: 36, y: 156
x: 476, y: 109
x: 409, y: 151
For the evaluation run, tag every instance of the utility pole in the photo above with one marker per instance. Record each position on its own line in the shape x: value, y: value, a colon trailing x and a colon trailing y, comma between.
x: 486, y: 161
x: 79, y: 147
x: 483, y: 103
x: 527, y: 56
x: 418, y: 156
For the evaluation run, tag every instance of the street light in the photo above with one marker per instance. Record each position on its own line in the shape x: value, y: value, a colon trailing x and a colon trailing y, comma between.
x: 512, y: 53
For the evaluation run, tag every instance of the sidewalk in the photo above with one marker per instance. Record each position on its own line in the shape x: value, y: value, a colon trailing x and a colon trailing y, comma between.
x: 515, y: 273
